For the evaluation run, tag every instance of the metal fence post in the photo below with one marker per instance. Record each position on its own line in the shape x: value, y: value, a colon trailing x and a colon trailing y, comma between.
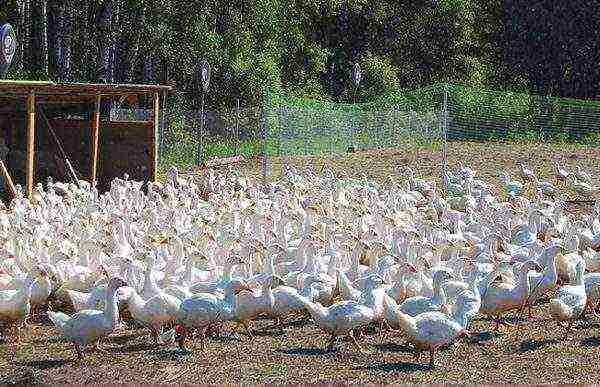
x: 445, y: 129
x: 237, y: 131
x: 263, y: 128
x: 201, y: 139
x: 162, y: 127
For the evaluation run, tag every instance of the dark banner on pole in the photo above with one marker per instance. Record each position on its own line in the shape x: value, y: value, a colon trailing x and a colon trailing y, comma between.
x: 8, y: 46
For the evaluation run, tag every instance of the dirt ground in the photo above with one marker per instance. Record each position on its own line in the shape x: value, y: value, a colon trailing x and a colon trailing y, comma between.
x: 528, y: 352
x: 488, y: 159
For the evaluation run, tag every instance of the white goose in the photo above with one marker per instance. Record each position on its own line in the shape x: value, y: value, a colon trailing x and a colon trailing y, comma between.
x: 15, y: 305
x: 570, y: 300
x: 203, y: 310
x: 251, y: 304
x: 501, y: 297
x: 544, y: 282
x: 433, y: 330
x: 90, y: 325
x: 155, y: 312
x: 340, y: 319
x: 420, y: 304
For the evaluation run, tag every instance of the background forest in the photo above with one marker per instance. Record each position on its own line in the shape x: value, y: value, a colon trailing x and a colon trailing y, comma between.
x: 307, y: 47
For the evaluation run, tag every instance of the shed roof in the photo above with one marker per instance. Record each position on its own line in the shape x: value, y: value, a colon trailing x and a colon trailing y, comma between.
x: 22, y: 88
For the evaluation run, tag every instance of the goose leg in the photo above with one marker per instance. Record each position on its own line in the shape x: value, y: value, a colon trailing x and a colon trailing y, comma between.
x: 181, y: 332
x: 203, y: 339
x: 246, y: 328
x: 530, y: 312
x: 17, y: 329
x: 154, y: 334
x: 497, y: 326
x: 432, y: 356
x: 351, y: 335
x: 381, y: 325
x: 331, y: 343
x: 78, y: 351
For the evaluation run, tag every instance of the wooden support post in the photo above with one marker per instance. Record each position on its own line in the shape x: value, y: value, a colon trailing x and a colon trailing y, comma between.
x: 94, y: 142
x: 152, y: 137
x: 9, y: 182
x: 30, y: 143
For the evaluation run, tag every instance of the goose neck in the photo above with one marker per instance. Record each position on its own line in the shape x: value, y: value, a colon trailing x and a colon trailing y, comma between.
x: 135, y: 302
x: 523, y: 280
x: 405, y: 321
x: 149, y: 284
x: 227, y: 269
x: 438, y: 292
x: 310, y: 264
x: 317, y: 311
x: 28, y: 287
x: 230, y: 301
x: 111, y: 311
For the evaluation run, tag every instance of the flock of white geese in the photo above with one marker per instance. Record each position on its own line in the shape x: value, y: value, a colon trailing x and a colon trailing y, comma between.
x: 185, y: 256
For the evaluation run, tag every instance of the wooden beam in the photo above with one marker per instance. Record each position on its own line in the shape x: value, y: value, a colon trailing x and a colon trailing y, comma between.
x: 9, y: 182
x: 152, y: 137
x: 19, y: 87
x: 94, y: 142
x: 30, y: 143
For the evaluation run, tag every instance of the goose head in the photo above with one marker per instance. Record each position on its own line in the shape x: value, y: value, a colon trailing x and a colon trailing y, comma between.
x: 116, y: 282
x: 373, y: 281
x: 238, y: 286
x: 39, y: 272
x: 276, y: 281
x: 442, y: 275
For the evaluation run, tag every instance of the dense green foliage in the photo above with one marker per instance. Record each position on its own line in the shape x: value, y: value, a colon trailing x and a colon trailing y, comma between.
x: 308, y: 47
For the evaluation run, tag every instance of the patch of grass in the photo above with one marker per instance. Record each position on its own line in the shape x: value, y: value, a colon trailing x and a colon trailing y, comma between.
x: 25, y: 350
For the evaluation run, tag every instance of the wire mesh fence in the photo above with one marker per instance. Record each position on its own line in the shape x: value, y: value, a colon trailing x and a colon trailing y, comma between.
x: 314, y: 133
x: 432, y: 130
x: 189, y: 138
x: 505, y: 133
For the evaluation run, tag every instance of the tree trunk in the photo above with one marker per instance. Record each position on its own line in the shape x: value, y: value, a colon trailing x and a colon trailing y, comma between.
x: 64, y: 41
x: 134, y: 51
x: 39, y: 47
x: 114, y: 37
x: 86, y: 41
x: 148, y: 68
x: 106, y: 41
x: 65, y: 58
x: 22, y: 37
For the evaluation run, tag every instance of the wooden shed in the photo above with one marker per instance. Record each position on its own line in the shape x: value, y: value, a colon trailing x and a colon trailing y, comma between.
x: 42, y: 122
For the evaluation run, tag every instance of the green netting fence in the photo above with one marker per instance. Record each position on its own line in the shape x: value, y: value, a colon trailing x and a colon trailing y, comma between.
x: 441, y: 118
x: 299, y: 127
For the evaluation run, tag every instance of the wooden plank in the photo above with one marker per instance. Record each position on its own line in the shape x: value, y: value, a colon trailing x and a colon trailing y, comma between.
x: 94, y: 141
x: 79, y: 88
x: 61, y: 99
x: 30, y: 143
x: 152, y: 135
x: 9, y: 181
x: 218, y: 161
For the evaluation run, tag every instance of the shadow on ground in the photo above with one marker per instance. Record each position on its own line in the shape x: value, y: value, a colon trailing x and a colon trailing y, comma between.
x: 396, y: 367
x: 44, y: 364
x: 532, y: 345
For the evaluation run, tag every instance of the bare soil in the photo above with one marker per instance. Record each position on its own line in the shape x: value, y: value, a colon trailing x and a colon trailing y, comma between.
x: 528, y: 352
x: 488, y: 159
